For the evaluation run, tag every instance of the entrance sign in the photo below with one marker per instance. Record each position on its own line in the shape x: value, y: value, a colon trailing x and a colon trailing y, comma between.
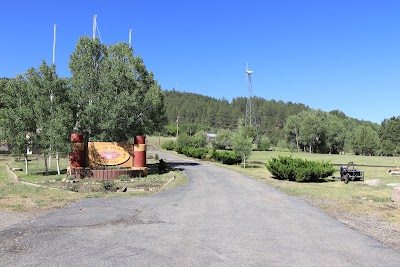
x: 110, y: 154
x: 108, y: 160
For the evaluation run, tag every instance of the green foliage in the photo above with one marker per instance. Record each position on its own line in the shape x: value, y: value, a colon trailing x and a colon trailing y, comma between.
x: 264, y: 144
x: 242, y: 143
x: 198, y: 140
x: 209, y: 113
x: 108, y: 185
x: 223, y: 139
x: 299, y: 170
x: 112, y: 84
x: 193, y: 152
x: 389, y: 136
x: 226, y: 157
x: 365, y: 141
x: 124, y: 177
x: 169, y: 145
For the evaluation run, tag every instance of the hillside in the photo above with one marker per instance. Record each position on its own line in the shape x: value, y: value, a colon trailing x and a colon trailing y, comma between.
x: 197, y: 112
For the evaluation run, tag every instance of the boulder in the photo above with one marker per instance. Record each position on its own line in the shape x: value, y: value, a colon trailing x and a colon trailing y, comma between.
x: 396, y: 194
x: 373, y: 182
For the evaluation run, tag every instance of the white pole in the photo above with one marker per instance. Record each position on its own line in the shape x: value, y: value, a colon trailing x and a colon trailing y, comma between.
x: 130, y: 38
x: 54, y: 44
x: 94, y: 26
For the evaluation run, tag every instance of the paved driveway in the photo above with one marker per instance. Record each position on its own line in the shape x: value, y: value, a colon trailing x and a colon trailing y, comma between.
x: 220, y: 218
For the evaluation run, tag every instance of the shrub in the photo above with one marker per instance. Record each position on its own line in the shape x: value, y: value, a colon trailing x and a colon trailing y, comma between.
x: 169, y: 145
x: 124, y: 177
x: 226, y: 157
x: 162, y: 166
x: 193, y: 152
x: 299, y: 170
x: 264, y: 144
x: 108, y: 185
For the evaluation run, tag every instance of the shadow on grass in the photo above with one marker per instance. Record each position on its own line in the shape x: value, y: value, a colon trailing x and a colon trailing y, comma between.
x: 252, y: 167
x: 320, y: 180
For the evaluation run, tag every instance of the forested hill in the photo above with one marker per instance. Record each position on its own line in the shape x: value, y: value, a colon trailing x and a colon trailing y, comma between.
x: 198, y: 112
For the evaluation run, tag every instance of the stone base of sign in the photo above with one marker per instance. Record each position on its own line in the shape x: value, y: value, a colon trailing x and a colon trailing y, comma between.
x: 109, y: 174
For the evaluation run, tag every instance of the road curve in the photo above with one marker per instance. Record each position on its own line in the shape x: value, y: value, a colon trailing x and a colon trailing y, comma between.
x: 220, y: 218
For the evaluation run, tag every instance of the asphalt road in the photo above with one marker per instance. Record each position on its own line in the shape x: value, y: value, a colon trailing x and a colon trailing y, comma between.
x: 220, y: 218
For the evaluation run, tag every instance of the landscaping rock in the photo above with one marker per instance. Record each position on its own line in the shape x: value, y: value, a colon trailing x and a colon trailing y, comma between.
x: 374, y: 182
x: 123, y: 189
x: 393, y: 184
x: 396, y: 194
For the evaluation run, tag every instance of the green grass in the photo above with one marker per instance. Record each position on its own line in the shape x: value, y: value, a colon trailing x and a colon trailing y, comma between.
x: 17, y: 196
x: 334, y: 195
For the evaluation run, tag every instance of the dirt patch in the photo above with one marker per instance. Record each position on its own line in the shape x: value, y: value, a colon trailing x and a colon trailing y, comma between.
x: 8, y: 218
x: 369, y: 224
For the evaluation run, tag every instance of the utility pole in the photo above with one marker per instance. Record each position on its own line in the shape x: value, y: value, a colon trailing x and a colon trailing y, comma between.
x: 54, y: 44
x: 177, y: 126
x: 94, y: 26
x: 130, y: 38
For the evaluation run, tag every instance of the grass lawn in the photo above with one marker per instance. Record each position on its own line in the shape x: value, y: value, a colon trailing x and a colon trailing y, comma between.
x: 52, y: 192
x: 334, y: 195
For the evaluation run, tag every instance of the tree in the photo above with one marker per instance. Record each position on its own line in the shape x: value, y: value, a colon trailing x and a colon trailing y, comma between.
x: 53, y: 118
x: 365, y: 141
x: 223, y: 139
x: 241, y: 142
x: 17, y: 119
x: 114, y: 85
x: 335, y: 134
x: 292, y: 129
x: 389, y: 134
x: 264, y: 143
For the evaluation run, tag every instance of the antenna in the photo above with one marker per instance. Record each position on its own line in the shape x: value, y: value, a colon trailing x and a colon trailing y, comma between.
x: 250, y: 110
x: 130, y: 38
x: 94, y: 26
x: 54, y: 44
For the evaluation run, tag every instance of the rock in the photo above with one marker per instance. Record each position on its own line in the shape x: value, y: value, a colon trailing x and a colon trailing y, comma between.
x: 374, y: 182
x: 393, y: 184
x: 123, y: 189
x: 396, y: 194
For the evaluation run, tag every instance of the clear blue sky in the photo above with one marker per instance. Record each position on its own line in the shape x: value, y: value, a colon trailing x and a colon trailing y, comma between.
x: 327, y: 54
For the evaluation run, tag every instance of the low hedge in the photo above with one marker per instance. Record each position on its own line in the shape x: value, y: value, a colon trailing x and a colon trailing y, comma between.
x: 225, y: 157
x: 198, y: 153
x: 299, y: 170
x: 169, y: 145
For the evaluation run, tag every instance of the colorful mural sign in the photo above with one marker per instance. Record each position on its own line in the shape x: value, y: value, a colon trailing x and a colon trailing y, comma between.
x: 109, y: 154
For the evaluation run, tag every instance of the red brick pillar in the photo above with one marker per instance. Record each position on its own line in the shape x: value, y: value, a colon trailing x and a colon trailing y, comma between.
x: 77, y: 159
x: 139, y: 151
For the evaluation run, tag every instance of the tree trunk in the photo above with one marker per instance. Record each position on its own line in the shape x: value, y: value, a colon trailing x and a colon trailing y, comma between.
x: 244, y: 163
x: 310, y: 148
x: 46, y: 167
x: 26, y: 164
x: 58, y: 164
x: 297, y: 143
x: 49, y: 161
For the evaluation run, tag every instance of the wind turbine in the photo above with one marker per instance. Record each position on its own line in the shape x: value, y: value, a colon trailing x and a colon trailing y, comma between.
x: 250, y: 110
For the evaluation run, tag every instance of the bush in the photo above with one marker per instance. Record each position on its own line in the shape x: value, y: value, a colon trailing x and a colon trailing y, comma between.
x: 108, y: 185
x: 193, y: 152
x: 169, y: 145
x: 299, y: 170
x: 226, y: 157
x: 264, y: 144
x: 124, y: 177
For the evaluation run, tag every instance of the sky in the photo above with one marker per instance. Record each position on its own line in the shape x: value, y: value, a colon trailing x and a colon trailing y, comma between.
x: 326, y: 54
